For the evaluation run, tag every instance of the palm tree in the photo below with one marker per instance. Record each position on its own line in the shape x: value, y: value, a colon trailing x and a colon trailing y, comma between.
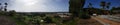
x: 0, y: 6
x: 76, y: 6
x: 90, y: 5
x: 5, y: 8
x: 103, y: 4
x: 108, y: 5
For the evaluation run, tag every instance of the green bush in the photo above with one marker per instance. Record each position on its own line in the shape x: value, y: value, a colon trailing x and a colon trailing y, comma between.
x: 85, y: 17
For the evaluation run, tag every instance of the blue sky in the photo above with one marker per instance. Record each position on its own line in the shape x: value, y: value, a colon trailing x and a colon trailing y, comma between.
x: 96, y: 3
x: 50, y: 5
x: 37, y: 5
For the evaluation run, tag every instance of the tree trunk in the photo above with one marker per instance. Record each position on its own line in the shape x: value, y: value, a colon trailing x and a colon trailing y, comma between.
x: 75, y: 7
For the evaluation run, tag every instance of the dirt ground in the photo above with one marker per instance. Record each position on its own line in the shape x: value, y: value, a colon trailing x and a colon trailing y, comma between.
x: 108, y: 21
x: 4, y: 20
x: 89, y: 22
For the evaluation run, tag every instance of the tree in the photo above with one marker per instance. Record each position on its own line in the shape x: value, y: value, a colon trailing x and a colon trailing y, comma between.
x: 12, y: 13
x: 90, y: 5
x: 108, y: 5
x: 5, y: 9
x: 48, y: 20
x: 0, y: 3
x: 76, y: 7
x: 103, y: 4
x: 85, y: 16
x: 0, y: 7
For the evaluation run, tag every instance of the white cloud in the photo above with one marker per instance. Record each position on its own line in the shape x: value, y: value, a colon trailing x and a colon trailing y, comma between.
x: 33, y: 5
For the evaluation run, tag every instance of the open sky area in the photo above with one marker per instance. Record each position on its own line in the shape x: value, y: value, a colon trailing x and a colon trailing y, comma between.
x: 49, y: 5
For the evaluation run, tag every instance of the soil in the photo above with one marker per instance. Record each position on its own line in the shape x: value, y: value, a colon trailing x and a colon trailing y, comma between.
x: 5, y: 20
x: 88, y: 22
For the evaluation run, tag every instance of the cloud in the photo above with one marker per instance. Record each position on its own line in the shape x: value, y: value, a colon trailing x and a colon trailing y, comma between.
x: 35, y: 5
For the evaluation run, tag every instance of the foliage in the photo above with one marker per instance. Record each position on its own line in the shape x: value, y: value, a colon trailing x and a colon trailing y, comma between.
x: 105, y: 5
x: 85, y: 17
x: 48, y: 20
x: 90, y: 5
x: 72, y: 21
x: 12, y: 13
x: 75, y: 7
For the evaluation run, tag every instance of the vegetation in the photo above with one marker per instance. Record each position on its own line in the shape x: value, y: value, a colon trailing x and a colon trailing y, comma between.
x: 85, y: 17
x: 5, y: 9
x: 105, y: 5
x: 90, y: 5
x: 75, y: 7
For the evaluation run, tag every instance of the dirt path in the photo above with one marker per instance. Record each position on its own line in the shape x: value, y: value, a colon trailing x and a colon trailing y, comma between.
x: 107, y: 21
x: 4, y: 20
x: 89, y: 22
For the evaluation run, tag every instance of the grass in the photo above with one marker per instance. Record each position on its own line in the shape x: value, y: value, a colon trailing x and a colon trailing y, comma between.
x: 17, y: 21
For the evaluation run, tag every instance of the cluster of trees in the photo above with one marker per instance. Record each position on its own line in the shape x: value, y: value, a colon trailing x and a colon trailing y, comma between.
x: 41, y: 19
x: 104, y: 10
x: 103, y: 4
x: 76, y: 8
x: 3, y: 7
x: 35, y: 19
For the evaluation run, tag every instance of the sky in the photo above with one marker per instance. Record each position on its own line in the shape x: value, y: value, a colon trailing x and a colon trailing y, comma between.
x: 96, y: 3
x: 50, y: 5
x: 37, y: 5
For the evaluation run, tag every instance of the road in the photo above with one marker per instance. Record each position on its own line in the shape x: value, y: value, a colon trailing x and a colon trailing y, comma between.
x: 108, y: 19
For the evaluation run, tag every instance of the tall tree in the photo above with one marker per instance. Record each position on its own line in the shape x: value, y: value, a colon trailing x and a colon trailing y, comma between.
x: 0, y: 4
x: 0, y: 7
x: 90, y: 5
x: 76, y: 6
x: 103, y: 4
x: 108, y: 5
x: 5, y: 8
